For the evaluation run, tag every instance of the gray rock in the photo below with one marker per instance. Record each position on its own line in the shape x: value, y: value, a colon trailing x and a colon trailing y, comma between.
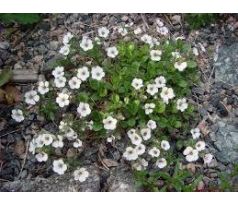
x: 121, y: 180
x: 227, y: 142
x: 64, y: 183
x: 226, y: 64
x: 4, y: 45
x: 54, y: 45
x: 4, y: 55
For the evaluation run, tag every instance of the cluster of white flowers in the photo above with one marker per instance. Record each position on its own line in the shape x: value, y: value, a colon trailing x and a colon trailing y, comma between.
x: 192, y: 154
x: 65, y: 49
x: 149, y: 108
x: 161, y: 28
x: 182, y: 104
x: 138, y: 150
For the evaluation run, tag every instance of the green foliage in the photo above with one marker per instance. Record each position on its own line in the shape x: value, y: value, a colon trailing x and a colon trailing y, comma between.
x: 21, y: 18
x: 48, y: 109
x: 197, y: 21
x: 5, y: 76
x: 180, y: 180
x: 227, y: 180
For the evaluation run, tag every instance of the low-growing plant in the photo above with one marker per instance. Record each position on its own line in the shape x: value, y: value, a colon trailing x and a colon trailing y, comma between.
x: 131, y: 88
x: 196, y: 21
x: 21, y: 18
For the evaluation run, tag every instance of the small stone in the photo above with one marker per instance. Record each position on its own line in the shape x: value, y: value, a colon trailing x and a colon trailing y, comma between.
x: 54, y: 45
x: 176, y: 19
x: 4, y: 45
x: 17, y: 66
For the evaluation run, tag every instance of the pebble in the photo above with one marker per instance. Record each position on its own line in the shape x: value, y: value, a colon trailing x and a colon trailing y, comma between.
x: 17, y: 66
x: 54, y: 45
x: 4, y: 45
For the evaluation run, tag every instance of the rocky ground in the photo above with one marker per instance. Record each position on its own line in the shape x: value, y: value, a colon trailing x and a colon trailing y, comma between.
x: 34, y: 50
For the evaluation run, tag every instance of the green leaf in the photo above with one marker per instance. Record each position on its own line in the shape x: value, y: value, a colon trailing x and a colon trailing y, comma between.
x: 182, y: 84
x: 192, y: 64
x: 97, y: 126
x: 131, y: 122
x: 5, y: 76
x: 160, y: 107
x: 22, y: 18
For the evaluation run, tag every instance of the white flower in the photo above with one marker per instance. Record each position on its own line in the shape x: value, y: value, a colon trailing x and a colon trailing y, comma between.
x: 130, y: 154
x: 146, y: 133
x: 39, y: 142
x: 63, y: 125
x: 122, y: 31
x: 64, y: 50
x: 131, y: 132
x: 83, y: 109
x: 161, y: 163
x: 152, y: 89
x: 58, y: 72
x: 195, y: 133
x: 207, y: 158
x: 155, y: 55
x: 147, y: 39
x: 110, y: 123
x: 182, y: 104
x: 165, y: 145
x: 139, y: 165
x: 103, y: 32
x: 59, y: 142
x: 47, y: 138
x: 149, y: 107
x: 140, y: 149
x: 83, y: 73
x: 151, y: 124
x: 167, y: 94
x: 90, y: 125
x: 31, y: 97
x: 159, y: 22
x: 176, y: 54
x: 200, y: 146
x: 136, y: 139
x: 86, y: 44
x: 192, y: 156
x: 74, y: 83
x: 60, y: 82
x: 78, y: 143
x: 137, y: 83
x: 154, y: 152
x: 160, y: 82
x: 70, y: 134
x: 162, y: 30
x: 155, y: 41
x: 81, y: 174
x: 111, y: 139
x: 59, y: 166
x: 43, y: 87
x: 41, y: 157
x: 67, y: 37
x: 97, y: 40
x: 112, y: 52
x: 137, y: 31
x: 62, y: 99
x: 180, y: 66
x: 97, y: 73
x: 187, y: 150
x: 17, y: 115
x: 32, y: 146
